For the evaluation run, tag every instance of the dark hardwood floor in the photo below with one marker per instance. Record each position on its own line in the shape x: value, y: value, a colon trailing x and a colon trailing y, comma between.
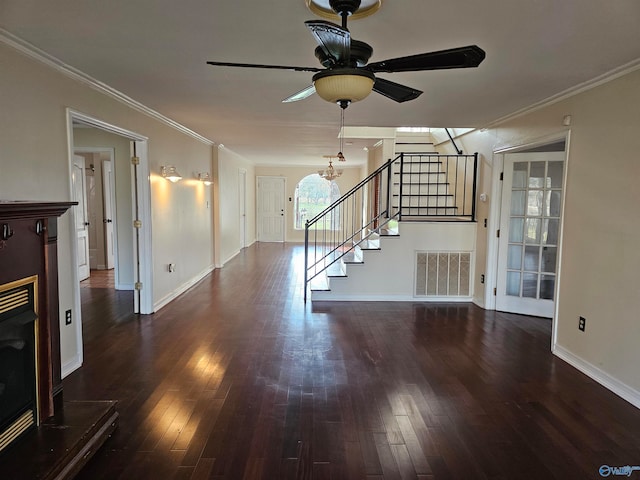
x: 238, y: 379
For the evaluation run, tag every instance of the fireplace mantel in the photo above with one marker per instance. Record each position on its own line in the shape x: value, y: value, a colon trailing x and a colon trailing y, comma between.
x: 21, y: 209
x: 28, y: 246
x: 68, y: 432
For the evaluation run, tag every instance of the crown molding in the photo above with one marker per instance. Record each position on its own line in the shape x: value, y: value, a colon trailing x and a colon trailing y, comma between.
x: 570, y: 92
x: 45, y: 58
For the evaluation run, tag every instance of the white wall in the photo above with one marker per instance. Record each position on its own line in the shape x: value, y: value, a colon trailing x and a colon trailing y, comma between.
x: 389, y: 274
x: 600, y: 258
x: 34, y: 165
x: 226, y: 171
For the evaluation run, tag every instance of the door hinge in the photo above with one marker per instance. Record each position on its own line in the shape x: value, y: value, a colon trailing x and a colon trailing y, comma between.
x: 498, y: 233
x: 137, y: 224
x: 501, y: 176
x: 135, y: 160
x: 495, y: 291
x: 138, y: 286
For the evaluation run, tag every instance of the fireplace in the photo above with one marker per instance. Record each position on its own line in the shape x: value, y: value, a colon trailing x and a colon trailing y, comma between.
x: 18, y: 325
x: 42, y: 435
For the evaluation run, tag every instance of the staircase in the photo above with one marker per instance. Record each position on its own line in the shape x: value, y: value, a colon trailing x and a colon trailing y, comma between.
x: 413, y: 188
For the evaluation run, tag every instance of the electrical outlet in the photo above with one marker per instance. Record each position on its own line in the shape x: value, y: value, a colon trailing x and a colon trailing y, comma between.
x: 172, y: 267
x: 582, y: 324
x: 482, y: 278
x: 67, y: 317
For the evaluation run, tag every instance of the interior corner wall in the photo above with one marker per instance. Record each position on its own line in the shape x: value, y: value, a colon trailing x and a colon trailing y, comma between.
x: 228, y: 165
x: 34, y: 165
x: 599, y: 261
x: 350, y: 177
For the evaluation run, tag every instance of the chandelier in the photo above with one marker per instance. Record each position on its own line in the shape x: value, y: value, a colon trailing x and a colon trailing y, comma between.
x: 330, y: 173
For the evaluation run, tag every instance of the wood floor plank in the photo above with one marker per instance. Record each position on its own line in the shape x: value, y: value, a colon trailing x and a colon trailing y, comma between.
x: 238, y: 379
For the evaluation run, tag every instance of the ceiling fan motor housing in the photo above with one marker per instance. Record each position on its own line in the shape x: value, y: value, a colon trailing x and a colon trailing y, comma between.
x: 347, y: 7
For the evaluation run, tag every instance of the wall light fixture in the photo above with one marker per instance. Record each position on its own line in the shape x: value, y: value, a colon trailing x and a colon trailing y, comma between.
x: 170, y: 173
x: 205, y: 178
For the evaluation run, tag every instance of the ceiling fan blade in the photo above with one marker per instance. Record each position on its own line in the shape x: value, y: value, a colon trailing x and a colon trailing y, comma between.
x: 395, y: 91
x: 301, y: 95
x: 254, y: 65
x: 461, y: 57
x: 334, y: 40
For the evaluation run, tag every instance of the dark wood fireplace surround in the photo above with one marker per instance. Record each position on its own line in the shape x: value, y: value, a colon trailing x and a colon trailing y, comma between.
x: 68, y: 432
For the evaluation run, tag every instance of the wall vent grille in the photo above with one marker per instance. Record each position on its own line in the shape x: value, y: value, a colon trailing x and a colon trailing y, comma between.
x: 443, y: 274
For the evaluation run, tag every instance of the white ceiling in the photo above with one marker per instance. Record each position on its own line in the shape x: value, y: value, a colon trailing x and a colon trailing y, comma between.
x: 154, y: 51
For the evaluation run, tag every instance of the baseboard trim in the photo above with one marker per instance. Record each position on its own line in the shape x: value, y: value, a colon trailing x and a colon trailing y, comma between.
x: 231, y: 257
x: 71, y: 366
x: 327, y: 296
x: 623, y: 390
x: 125, y: 286
x: 181, y: 289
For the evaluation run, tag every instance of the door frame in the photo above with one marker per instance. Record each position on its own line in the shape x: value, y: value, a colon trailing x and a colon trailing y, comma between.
x: 242, y: 204
x: 495, y: 208
x: 108, y: 198
x: 142, y: 236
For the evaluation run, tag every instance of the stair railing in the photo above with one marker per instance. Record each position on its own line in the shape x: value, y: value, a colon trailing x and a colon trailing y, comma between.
x: 351, y: 219
x: 404, y: 188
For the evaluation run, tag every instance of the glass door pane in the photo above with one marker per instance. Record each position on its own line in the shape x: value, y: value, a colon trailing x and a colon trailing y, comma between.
x: 536, y: 193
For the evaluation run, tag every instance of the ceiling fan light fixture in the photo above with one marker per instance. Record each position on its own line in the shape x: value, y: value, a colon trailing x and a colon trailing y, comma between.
x: 348, y: 84
x: 323, y: 8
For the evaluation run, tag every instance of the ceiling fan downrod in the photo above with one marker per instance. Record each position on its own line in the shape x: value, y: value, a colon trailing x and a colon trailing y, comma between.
x: 345, y: 8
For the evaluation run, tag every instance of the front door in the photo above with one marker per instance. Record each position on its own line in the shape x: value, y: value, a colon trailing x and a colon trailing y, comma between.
x: 271, y: 209
x: 529, y: 233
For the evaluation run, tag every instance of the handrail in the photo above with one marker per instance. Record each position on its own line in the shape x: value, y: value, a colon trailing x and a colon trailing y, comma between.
x: 453, y: 142
x: 350, y: 192
x: 419, y: 180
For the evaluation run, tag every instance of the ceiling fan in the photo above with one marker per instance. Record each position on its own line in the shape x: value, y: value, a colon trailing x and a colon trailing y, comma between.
x: 347, y: 77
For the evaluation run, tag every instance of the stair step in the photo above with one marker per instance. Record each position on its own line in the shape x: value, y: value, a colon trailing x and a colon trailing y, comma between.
x: 353, y: 257
x: 422, y: 183
x: 433, y: 195
x: 429, y: 162
x: 370, y: 244
x: 422, y: 211
x: 320, y: 284
x: 420, y: 173
x: 336, y: 270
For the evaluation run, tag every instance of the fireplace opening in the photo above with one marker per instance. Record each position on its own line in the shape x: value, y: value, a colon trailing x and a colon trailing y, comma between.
x: 18, y: 380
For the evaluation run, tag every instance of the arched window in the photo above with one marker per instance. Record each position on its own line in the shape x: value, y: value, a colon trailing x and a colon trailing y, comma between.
x: 314, y: 194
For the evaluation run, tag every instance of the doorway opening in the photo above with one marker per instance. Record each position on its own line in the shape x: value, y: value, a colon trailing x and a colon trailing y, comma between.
x: 528, y: 242
x: 111, y: 223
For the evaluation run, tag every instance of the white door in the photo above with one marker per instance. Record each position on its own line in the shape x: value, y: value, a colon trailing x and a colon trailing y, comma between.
x: 529, y: 233
x: 108, y: 212
x: 78, y: 179
x: 242, y: 201
x: 271, y: 209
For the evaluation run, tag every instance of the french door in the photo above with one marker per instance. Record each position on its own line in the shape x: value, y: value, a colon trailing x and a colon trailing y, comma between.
x: 530, y: 223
